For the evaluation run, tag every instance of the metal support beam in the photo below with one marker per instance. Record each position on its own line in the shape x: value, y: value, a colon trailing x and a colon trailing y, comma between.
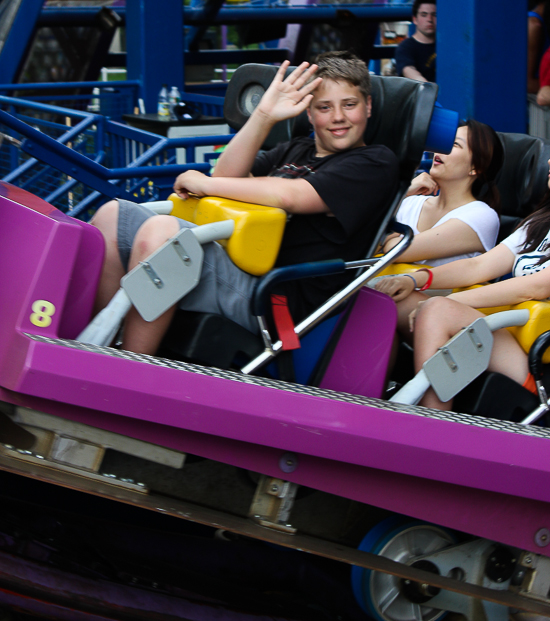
x: 206, y: 57
x: 300, y: 13
x: 52, y: 16
x: 482, y: 60
x: 325, y: 13
x: 209, y: 12
x: 16, y: 35
x: 155, y: 46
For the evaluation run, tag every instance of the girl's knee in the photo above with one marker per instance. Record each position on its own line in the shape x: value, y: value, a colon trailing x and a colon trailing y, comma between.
x: 433, y: 307
x: 436, y: 313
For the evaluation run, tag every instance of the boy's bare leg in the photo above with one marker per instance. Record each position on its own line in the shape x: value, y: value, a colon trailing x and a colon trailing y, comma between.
x: 106, y: 220
x: 140, y: 335
x: 438, y: 320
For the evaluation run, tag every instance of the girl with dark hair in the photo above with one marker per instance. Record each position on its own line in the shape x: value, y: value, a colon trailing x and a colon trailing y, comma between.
x: 462, y: 220
x: 524, y: 253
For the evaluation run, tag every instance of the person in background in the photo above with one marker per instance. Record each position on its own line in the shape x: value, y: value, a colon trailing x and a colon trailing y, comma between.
x: 538, y: 41
x: 415, y: 57
x: 543, y: 96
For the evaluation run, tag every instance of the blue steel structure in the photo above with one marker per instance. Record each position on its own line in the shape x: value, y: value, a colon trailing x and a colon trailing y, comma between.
x: 481, y: 45
x: 21, y: 21
x: 105, y: 159
x: 152, y: 63
x: 155, y: 38
x: 482, y: 60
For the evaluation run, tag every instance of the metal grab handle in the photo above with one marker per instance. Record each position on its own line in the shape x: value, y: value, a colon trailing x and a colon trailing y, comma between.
x: 216, y: 230
x: 291, y: 272
x: 541, y: 344
x: 538, y: 348
x: 507, y: 319
x: 414, y: 390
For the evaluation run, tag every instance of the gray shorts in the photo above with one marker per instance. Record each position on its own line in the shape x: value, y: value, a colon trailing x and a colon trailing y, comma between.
x: 224, y: 289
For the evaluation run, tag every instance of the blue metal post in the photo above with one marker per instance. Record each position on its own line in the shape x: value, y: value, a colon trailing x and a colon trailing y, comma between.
x: 19, y: 39
x: 482, y: 60
x: 154, y: 39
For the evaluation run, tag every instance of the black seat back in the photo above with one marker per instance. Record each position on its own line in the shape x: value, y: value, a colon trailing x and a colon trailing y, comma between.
x: 523, y: 178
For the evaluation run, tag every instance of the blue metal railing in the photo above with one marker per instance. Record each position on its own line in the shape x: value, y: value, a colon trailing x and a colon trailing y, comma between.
x: 251, y: 11
x: 78, y: 168
x: 113, y: 98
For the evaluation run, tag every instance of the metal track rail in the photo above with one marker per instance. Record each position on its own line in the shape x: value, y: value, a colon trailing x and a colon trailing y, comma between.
x: 31, y: 466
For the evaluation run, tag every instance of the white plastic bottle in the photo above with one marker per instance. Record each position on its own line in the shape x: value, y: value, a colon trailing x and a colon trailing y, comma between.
x: 163, y: 107
x: 174, y: 97
x: 95, y: 105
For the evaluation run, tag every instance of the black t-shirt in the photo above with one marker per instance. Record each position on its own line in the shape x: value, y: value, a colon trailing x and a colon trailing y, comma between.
x: 422, y: 56
x: 355, y: 185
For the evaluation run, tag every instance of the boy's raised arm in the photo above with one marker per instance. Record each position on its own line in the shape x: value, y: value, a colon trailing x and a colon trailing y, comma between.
x: 284, y: 99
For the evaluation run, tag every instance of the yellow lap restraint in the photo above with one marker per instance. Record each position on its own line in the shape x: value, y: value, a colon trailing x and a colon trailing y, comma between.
x: 539, y: 312
x: 256, y: 240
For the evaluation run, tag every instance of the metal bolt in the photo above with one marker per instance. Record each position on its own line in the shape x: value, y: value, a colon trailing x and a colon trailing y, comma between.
x: 542, y: 537
x: 288, y: 462
x: 274, y: 488
x: 528, y: 560
x: 180, y: 250
x: 518, y: 578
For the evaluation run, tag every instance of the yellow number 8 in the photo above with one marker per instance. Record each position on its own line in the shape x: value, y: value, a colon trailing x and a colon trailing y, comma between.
x: 42, y: 313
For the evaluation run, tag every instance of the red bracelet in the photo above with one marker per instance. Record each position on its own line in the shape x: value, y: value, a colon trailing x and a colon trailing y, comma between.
x: 430, y: 278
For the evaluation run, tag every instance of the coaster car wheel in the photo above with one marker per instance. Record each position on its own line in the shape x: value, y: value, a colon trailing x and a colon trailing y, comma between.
x: 388, y: 598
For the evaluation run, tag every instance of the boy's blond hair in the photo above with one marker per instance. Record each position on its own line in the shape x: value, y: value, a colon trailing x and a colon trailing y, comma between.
x: 346, y: 66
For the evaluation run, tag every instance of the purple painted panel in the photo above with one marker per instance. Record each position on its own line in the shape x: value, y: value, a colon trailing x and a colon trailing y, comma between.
x: 368, y: 435
x: 54, y: 263
x: 360, y: 359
